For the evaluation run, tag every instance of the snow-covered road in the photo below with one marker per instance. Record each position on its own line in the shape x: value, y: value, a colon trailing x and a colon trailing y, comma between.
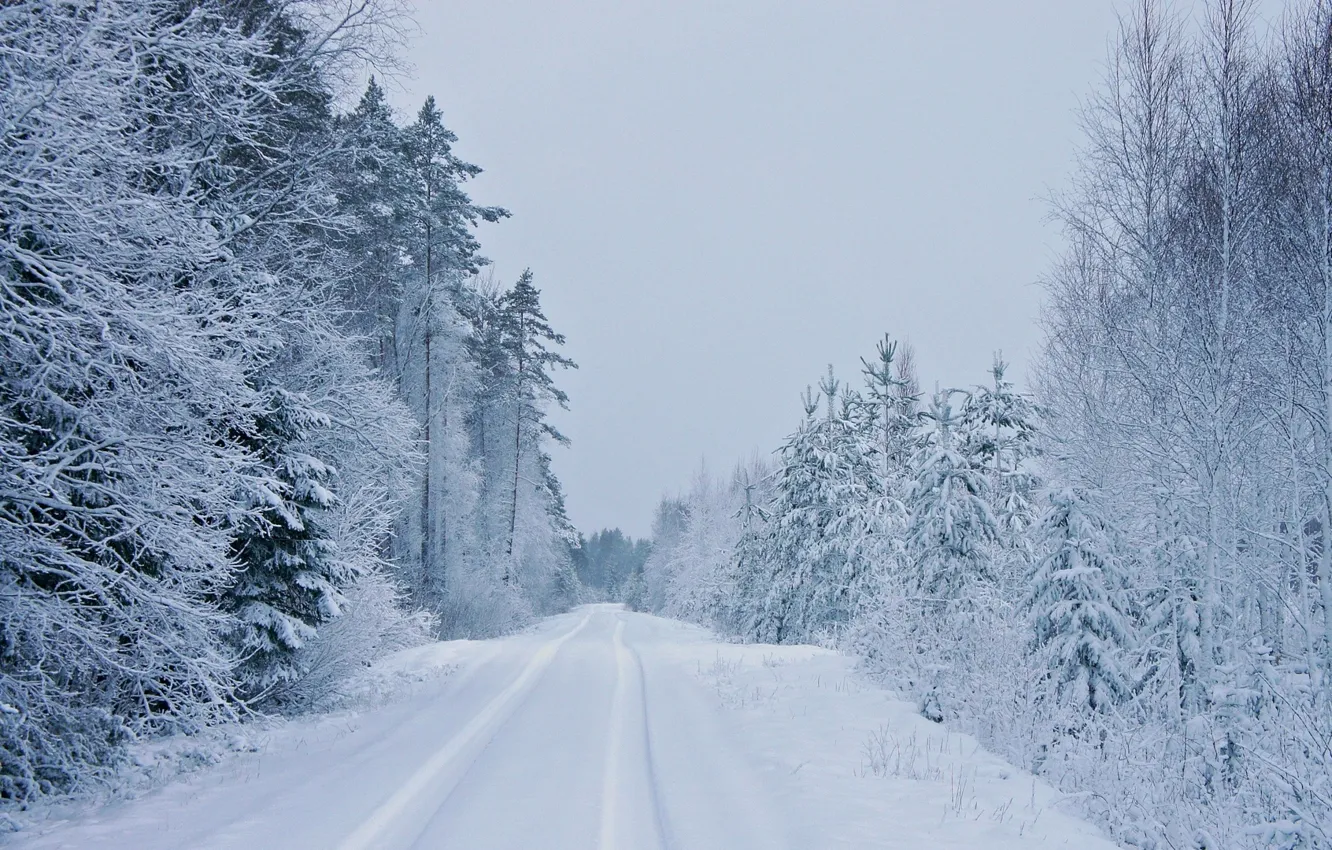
x: 602, y: 729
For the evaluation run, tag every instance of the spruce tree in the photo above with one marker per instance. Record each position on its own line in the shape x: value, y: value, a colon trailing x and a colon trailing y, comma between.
x: 290, y: 575
x: 374, y: 191
x: 1075, y: 596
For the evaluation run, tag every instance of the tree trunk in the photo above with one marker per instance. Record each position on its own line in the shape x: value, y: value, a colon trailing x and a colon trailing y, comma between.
x: 427, y: 308
x: 429, y: 469
x: 1305, y: 607
x: 513, y: 505
x: 1325, y: 552
x: 517, y: 447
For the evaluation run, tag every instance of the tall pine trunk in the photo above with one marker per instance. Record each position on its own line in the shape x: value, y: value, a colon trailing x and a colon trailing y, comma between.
x: 429, y: 470
x: 517, y: 459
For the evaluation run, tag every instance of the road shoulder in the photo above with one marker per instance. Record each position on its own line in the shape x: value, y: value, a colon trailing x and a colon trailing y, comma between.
x: 856, y: 767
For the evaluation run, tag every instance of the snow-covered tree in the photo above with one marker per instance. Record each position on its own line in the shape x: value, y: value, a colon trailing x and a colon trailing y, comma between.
x: 1075, y: 596
x: 817, y: 523
x: 1000, y: 426
x: 607, y: 559
x: 167, y: 254
x: 951, y: 524
x: 705, y: 563
x: 528, y: 339
x: 890, y: 401
x: 431, y: 338
x: 748, y: 569
x: 289, y: 574
x: 649, y: 590
x: 889, y: 420
x: 373, y: 186
x: 700, y: 583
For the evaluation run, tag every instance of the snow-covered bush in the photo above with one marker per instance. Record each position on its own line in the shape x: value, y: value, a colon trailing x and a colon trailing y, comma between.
x: 372, y: 623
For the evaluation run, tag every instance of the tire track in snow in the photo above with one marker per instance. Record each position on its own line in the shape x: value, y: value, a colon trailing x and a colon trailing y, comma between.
x: 664, y: 840
x: 388, y: 819
x: 616, y: 785
x: 610, y: 804
x: 363, y: 751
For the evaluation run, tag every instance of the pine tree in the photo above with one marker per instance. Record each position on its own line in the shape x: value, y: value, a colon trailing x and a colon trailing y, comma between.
x: 444, y: 215
x: 814, y: 544
x: 890, y: 401
x: 443, y: 250
x: 374, y: 191
x: 999, y: 427
x: 951, y: 523
x: 1075, y: 599
x: 749, y: 569
x: 908, y: 384
x: 526, y: 337
x: 866, y: 510
x: 890, y: 426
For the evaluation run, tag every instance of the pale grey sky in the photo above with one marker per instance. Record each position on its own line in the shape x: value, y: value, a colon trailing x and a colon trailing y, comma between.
x: 719, y: 199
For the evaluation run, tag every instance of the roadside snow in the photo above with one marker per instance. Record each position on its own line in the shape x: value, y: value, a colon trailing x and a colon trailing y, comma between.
x: 399, y: 674
x: 863, y: 768
x: 174, y: 765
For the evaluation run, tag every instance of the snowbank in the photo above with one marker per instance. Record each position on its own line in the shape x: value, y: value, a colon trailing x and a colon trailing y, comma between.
x: 863, y: 767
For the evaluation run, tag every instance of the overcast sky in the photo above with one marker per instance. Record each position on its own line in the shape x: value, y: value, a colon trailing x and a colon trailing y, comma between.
x: 720, y: 199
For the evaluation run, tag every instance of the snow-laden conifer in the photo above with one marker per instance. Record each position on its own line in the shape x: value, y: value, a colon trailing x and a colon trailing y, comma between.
x: 889, y: 402
x: 999, y: 426
x: 951, y: 524
x: 1076, y: 599
x: 166, y: 254
x: 128, y: 341
x: 374, y: 192
x: 535, y: 533
x: 816, y: 531
x: 290, y: 575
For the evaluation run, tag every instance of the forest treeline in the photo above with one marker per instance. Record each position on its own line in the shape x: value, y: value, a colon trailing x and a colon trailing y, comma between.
x: 1121, y: 580
x: 261, y: 418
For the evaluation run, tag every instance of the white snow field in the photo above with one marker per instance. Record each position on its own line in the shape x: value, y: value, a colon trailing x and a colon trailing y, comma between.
x: 601, y: 729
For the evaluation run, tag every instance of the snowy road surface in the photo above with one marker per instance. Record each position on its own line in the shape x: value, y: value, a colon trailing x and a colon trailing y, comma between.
x: 601, y: 729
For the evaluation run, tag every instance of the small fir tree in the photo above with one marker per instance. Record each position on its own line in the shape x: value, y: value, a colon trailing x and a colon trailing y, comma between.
x: 1075, y: 599
x: 290, y: 576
